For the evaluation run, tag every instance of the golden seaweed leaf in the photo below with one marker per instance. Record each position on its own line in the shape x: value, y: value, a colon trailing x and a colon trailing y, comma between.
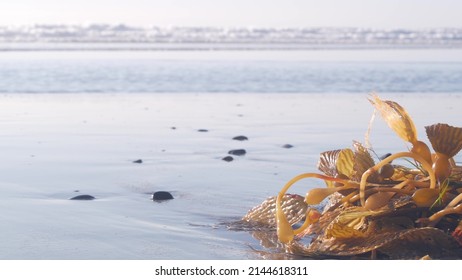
x: 352, y: 217
x: 396, y: 118
x: 345, y: 162
x: 349, y: 224
x: 341, y: 231
x: 363, y: 160
x: 445, y: 139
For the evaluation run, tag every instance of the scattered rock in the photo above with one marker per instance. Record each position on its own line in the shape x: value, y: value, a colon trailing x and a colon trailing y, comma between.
x: 203, y: 130
x: 83, y: 197
x: 228, y: 158
x: 287, y: 146
x: 238, y: 152
x: 173, y: 127
x: 241, y: 138
x: 161, y: 195
x: 138, y: 161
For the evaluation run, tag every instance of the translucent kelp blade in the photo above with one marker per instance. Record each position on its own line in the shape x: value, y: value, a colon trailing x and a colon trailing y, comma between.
x: 293, y: 206
x: 345, y: 162
x: 445, y: 139
x: 327, y: 163
x: 396, y: 117
x: 363, y: 160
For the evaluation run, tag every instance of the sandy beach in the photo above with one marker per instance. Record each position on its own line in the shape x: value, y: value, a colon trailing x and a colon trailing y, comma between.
x: 57, y: 146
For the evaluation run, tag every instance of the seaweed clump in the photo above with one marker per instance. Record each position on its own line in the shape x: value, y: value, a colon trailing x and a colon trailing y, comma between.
x: 379, y: 210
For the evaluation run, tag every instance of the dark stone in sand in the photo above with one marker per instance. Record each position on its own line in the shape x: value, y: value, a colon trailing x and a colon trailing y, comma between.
x: 173, y: 127
x: 203, y: 130
x: 238, y: 152
x: 83, y: 197
x: 228, y: 158
x: 138, y: 161
x: 287, y: 146
x: 161, y: 195
x: 241, y: 138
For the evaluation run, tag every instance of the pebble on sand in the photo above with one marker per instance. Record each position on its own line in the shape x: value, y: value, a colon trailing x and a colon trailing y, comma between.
x: 287, y: 146
x: 238, y: 152
x: 228, y: 158
x: 161, y: 195
x: 138, y: 161
x: 83, y: 197
x: 202, y: 130
x: 241, y: 138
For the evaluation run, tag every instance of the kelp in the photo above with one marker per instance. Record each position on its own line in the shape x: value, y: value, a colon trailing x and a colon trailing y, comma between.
x: 380, y: 210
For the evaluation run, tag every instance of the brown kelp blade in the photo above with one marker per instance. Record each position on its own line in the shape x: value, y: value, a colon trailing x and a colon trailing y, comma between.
x: 337, y: 162
x: 327, y: 163
x: 397, y: 118
x: 405, y: 244
x: 293, y: 206
x: 445, y: 139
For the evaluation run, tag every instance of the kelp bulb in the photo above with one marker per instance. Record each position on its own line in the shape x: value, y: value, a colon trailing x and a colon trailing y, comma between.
x: 422, y: 149
x: 378, y: 200
x: 425, y: 197
x: 387, y: 171
x: 442, y: 167
x: 315, y: 196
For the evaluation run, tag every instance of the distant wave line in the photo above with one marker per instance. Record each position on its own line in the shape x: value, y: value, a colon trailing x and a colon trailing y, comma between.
x: 96, y: 46
x: 238, y: 36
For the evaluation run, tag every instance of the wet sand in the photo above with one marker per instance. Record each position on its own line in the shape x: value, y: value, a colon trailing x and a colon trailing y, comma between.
x: 57, y: 146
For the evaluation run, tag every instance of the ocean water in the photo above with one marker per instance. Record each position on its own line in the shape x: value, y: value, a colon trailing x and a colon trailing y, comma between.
x: 305, y: 71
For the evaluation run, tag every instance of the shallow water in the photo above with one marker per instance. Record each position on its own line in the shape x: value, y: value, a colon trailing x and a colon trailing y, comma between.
x: 57, y: 146
x: 309, y: 71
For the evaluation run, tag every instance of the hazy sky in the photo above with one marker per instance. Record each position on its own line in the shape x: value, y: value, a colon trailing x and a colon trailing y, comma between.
x: 258, y: 13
